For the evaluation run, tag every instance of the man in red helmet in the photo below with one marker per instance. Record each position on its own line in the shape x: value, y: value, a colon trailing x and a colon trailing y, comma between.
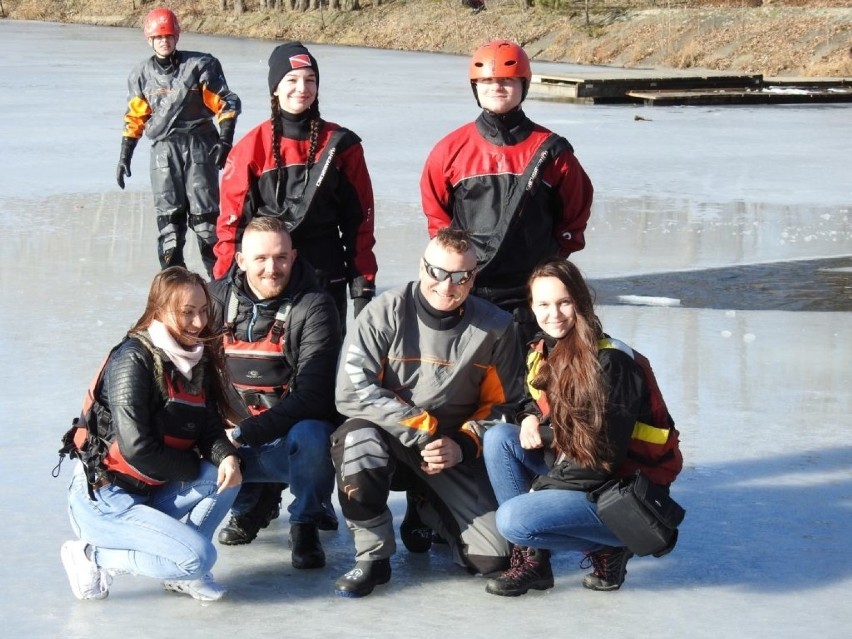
x: 515, y: 186
x: 173, y: 97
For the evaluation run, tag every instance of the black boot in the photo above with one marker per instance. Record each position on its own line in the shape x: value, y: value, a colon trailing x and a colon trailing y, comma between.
x: 609, y: 568
x: 529, y: 569
x: 242, y: 529
x: 415, y: 535
x: 366, y: 575
x: 305, y: 545
x: 328, y: 521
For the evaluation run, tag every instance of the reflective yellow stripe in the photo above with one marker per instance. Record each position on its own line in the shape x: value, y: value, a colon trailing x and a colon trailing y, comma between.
x: 534, y: 360
x: 650, y: 434
x: 609, y: 342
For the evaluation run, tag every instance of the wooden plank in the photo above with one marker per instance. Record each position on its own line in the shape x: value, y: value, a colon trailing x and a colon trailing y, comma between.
x: 613, y: 87
x: 696, y: 98
x: 798, y: 81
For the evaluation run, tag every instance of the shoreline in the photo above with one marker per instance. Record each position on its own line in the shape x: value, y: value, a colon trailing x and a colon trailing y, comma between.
x: 770, y: 40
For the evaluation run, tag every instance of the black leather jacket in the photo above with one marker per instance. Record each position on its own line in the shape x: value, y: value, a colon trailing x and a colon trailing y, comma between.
x: 131, y: 414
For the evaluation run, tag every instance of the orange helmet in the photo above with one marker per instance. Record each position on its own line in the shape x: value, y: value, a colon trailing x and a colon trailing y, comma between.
x: 500, y: 59
x: 160, y: 22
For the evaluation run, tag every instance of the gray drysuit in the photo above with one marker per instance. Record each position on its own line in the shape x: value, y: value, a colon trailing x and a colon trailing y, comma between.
x: 174, y: 103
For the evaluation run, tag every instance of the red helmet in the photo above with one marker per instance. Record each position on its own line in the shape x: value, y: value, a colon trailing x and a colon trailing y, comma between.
x: 160, y: 22
x: 500, y: 59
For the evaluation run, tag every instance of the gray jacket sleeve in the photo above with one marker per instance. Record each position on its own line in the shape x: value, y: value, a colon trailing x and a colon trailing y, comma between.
x: 359, y: 392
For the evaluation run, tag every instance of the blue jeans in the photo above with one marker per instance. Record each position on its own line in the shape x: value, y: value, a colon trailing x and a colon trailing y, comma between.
x: 511, y: 469
x: 552, y: 519
x: 302, y: 459
x: 166, y: 534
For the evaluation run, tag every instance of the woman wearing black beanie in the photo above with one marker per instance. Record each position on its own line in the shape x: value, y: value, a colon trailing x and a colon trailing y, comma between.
x: 310, y: 173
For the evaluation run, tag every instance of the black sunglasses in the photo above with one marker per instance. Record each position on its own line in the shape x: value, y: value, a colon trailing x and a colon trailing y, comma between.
x: 439, y: 274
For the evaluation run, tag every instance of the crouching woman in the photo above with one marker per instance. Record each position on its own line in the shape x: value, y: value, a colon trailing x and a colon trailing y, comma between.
x: 159, y: 475
x: 593, y: 412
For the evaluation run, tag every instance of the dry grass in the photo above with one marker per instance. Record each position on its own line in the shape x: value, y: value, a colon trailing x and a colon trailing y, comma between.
x: 788, y: 37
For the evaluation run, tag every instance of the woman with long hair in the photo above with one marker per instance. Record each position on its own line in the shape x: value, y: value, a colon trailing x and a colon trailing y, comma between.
x: 593, y: 412
x: 157, y: 474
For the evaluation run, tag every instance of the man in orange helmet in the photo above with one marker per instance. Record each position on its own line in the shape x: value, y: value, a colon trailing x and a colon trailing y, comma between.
x: 515, y: 186
x: 173, y: 97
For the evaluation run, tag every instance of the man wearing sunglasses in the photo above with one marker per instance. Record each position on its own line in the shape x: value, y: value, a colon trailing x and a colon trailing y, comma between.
x: 426, y: 369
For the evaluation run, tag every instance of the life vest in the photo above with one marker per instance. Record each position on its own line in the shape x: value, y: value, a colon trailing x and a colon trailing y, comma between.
x: 654, y: 448
x: 91, y: 438
x: 259, y: 370
x: 179, y: 420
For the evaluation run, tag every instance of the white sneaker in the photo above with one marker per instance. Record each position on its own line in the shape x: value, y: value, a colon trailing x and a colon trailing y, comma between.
x: 203, y: 589
x: 86, y: 579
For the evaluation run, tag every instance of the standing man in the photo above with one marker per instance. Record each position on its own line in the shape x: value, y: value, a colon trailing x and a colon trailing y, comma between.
x: 282, y: 340
x: 515, y: 186
x: 426, y: 369
x: 173, y: 97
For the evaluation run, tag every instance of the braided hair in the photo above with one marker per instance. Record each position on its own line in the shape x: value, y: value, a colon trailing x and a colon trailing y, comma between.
x: 278, y: 133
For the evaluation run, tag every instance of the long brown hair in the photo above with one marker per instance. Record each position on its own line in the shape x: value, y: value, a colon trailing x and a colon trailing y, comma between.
x: 163, y: 298
x: 571, y: 375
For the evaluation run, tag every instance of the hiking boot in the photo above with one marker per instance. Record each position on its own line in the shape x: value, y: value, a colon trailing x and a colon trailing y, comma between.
x: 366, y: 575
x: 529, y: 570
x: 86, y: 579
x: 242, y: 529
x: 609, y: 568
x: 328, y: 521
x: 203, y: 589
x: 306, y: 550
x: 415, y: 535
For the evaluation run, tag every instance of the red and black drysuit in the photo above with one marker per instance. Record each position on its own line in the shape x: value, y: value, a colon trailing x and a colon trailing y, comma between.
x: 520, y: 192
x: 328, y: 210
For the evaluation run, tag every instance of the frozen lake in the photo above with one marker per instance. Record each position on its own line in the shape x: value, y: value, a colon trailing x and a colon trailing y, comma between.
x: 731, y: 210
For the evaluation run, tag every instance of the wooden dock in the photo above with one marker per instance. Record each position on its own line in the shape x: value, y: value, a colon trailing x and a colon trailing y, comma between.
x: 653, y: 88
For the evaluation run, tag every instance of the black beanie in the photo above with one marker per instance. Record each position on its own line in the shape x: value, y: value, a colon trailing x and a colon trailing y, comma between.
x: 287, y: 57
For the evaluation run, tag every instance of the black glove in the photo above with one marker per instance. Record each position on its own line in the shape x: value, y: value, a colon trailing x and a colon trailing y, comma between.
x: 219, y: 153
x: 358, y: 305
x: 222, y: 148
x: 123, y: 169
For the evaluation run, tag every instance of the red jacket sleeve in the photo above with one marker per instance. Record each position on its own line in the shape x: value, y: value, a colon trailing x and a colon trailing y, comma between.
x: 435, y: 191
x: 575, y: 191
x: 358, y: 227
x: 241, y: 171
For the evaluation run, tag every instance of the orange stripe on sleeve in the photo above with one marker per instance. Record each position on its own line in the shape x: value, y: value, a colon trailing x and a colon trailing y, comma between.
x: 423, y: 422
x: 138, y: 112
x: 213, y: 102
x: 491, y: 393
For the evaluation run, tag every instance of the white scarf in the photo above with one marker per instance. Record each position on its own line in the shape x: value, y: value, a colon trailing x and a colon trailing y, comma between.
x: 183, y: 359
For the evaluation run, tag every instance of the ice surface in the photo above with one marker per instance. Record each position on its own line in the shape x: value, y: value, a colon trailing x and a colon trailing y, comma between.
x: 761, y: 398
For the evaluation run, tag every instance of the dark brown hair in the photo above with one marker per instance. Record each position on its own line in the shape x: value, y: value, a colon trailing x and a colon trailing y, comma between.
x: 571, y: 376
